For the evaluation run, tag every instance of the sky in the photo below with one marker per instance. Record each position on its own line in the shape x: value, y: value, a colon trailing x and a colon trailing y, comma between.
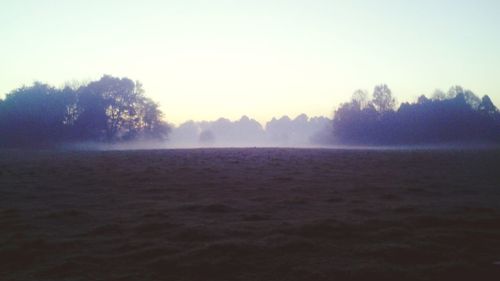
x: 202, y: 60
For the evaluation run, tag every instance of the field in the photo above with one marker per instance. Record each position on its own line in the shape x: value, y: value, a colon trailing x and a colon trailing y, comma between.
x: 250, y: 214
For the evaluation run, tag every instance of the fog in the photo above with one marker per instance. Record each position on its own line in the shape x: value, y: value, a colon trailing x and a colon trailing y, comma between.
x: 302, y: 131
x: 114, y: 113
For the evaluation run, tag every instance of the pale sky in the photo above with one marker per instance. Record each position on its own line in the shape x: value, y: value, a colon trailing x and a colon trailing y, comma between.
x: 210, y: 59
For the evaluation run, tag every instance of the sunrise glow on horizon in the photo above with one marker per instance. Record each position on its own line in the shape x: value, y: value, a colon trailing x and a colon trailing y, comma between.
x: 202, y: 60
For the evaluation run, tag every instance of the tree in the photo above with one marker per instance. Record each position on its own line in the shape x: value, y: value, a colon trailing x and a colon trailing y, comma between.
x: 33, y: 115
x: 354, y: 125
x: 114, y: 109
x: 207, y: 137
x: 360, y: 99
x: 69, y: 97
x: 438, y: 95
x: 487, y: 107
x: 108, y: 104
x: 422, y: 99
x: 110, y: 109
x: 469, y: 97
x: 457, y: 119
x: 149, y: 122
x: 382, y: 99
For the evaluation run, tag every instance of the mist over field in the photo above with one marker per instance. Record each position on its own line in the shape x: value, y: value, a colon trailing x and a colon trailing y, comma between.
x: 115, y: 112
x: 301, y: 131
x: 263, y: 140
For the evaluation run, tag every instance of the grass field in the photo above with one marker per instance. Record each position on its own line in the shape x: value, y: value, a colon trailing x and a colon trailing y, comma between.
x: 250, y: 214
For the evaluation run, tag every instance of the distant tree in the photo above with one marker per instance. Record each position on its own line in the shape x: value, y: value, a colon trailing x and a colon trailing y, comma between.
x: 279, y: 129
x: 354, y: 125
x: 186, y: 133
x: 469, y: 97
x: 246, y: 131
x: 207, y: 137
x: 111, y: 101
x: 149, y: 120
x: 454, y: 91
x: 383, y: 99
x: 438, y: 95
x: 110, y: 109
x: 360, y: 99
x: 3, y: 126
x: 69, y: 97
x: 33, y: 116
x: 91, y: 121
x: 487, y: 107
x: 423, y: 99
x: 460, y: 118
x: 114, y: 109
x: 301, y: 118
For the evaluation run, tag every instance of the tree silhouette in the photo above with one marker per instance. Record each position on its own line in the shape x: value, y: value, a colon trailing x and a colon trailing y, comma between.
x: 487, y: 107
x: 360, y: 99
x: 438, y: 95
x: 469, y: 97
x: 382, y: 99
x: 207, y: 137
x: 32, y: 113
x: 110, y: 109
x: 461, y: 117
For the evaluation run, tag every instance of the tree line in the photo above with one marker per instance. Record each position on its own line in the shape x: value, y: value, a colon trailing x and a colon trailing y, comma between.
x: 455, y: 117
x: 108, y: 110
x: 283, y: 131
x: 112, y: 110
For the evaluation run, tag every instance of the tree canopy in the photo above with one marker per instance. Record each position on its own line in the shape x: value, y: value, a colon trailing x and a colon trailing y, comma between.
x: 458, y: 116
x: 108, y: 110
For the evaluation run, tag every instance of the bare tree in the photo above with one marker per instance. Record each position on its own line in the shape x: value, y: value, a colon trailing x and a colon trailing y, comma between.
x: 383, y: 99
x: 360, y: 99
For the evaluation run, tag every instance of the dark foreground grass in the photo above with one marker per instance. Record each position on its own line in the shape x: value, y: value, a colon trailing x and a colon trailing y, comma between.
x: 250, y: 214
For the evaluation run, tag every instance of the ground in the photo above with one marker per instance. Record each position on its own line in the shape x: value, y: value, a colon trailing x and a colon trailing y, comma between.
x: 250, y: 214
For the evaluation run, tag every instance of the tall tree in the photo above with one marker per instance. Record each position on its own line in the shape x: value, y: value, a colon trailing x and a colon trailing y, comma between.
x: 360, y: 99
x: 469, y: 97
x: 487, y: 107
x: 110, y: 109
x: 456, y: 119
x: 383, y: 99
x: 33, y: 114
x: 114, y: 109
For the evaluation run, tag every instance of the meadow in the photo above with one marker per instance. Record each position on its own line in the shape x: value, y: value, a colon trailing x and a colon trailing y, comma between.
x: 250, y: 214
